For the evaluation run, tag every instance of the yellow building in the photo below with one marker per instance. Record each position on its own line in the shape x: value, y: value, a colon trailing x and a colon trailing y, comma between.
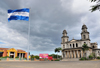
x: 11, y: 52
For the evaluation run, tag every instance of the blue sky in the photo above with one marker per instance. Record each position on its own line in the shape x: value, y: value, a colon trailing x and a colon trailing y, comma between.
x: 48, y: 19
x: 2, y: 43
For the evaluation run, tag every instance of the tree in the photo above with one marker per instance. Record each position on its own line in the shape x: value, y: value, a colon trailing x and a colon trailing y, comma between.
x: 95, y: 7
x: 58, y: 50
x: 85, y: 48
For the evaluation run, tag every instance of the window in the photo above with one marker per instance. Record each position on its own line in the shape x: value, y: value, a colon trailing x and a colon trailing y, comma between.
x: 93, y: 47
x: 63, y: 46
x: 70, y: 46
x: 76, y: 45
x: 84, y: 36
x: 73, y: 45
x: 63, y: 40
x: 84, y: 42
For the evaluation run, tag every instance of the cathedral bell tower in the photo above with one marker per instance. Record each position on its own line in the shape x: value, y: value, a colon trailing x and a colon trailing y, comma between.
x: 64, y: 37
x: 84, y: 33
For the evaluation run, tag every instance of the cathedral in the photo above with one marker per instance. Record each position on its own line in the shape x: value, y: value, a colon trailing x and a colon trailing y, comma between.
x: 73, y: 48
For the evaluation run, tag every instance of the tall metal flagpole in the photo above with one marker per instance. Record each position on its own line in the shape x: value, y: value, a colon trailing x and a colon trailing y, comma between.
x: 28, y: 37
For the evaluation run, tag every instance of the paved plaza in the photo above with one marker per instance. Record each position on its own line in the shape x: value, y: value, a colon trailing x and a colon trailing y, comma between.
x: 49, y: 64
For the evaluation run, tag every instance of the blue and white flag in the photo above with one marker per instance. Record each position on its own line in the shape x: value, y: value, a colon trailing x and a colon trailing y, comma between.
x: 18, y: 14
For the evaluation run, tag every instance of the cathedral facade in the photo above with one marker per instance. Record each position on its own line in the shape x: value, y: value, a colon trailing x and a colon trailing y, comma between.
x: 73, y: 48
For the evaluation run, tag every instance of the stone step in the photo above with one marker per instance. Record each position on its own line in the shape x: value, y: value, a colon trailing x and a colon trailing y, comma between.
x: 71, y: 59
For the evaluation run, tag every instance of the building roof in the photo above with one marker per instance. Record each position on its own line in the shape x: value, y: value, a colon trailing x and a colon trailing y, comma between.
x: 84, y: 27
x: 18, y: 50
x: 64, y: 32
x: 4, y: 48
x: 76, y: 40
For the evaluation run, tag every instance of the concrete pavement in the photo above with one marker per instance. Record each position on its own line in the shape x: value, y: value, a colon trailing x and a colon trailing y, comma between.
x: 50, y: 64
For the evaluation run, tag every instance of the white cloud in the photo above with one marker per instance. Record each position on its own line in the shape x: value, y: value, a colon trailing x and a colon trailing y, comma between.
x: 11, y: 38
x: 48, y: 19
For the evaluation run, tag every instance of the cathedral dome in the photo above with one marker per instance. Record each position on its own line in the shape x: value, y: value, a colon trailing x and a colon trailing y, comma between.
x: 64, y: 32
x: 84, y: 27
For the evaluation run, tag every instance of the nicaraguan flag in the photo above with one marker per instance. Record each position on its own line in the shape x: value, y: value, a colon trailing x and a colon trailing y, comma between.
x: 18, y: 14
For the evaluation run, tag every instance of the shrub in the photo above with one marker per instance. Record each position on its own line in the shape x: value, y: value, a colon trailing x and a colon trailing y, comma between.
x: 17, y: 57
x: 57, y: 60
x: 4, y: 57
x: 98, y: 57
x: 82, y: 58
x: 37, y: 57
x: 90, y: 57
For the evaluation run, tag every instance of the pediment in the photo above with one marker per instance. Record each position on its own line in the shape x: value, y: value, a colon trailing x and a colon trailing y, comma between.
x: 72, y: 40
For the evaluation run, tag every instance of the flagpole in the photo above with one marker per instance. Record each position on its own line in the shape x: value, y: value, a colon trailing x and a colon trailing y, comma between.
x: 28, y: 38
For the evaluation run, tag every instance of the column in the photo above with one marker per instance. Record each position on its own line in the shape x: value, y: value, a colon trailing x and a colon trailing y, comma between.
x: 9, y: 54
x: 14, y: 54
x: 19, y: 56
x: 22, y: 56
x: 70, y: 54
x: 71, y: 45
x: 77, y: 54
x: 75, y: 45
x: 81, y: 54
x: 67, y: 54
x: 74, y: 55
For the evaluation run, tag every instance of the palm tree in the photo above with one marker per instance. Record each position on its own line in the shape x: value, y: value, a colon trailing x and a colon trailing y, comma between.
x: 85, y: 48
x: 58, y: 50
x: 95, y: 7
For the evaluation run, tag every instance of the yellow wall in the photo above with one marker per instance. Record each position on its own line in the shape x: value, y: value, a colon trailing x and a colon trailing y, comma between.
x: 1, y: 51
x: 12, y: 50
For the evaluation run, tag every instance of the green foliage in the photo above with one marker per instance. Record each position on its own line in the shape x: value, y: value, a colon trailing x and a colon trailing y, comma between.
x: 83, y: 58
x: 58, y: 49
x: 4, y: 57
x: 85, y: 47
x: 57, y: 60
x: 37, y: 57
x: 95, y: 7
x: 93, y: 0
x: 55, y: 56
x: 32, y: 56
x: 93, y: 54
x: 98, y: 57
x: 90, y: 56
x: 17, y: 57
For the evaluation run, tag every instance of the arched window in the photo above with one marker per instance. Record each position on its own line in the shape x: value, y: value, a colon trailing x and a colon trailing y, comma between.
x: 73, y: 45
x: 76, y: 45
x: 93, y: 47
x: 70, y: 46
x: 84, y: 42
x: 84, y: 36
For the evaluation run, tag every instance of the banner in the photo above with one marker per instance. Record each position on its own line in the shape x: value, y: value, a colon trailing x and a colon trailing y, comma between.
x: 43, y: 55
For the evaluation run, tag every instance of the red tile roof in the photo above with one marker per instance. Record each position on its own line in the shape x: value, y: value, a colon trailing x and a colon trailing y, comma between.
x: 18, y: 50
x: 4, y: 48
